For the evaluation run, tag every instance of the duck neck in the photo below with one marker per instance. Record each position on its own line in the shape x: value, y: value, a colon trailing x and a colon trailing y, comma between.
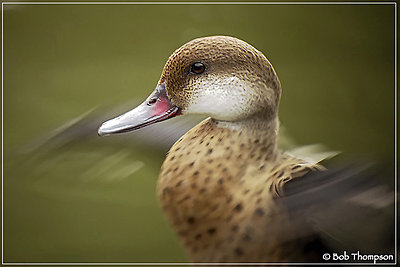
x: 258, y: 130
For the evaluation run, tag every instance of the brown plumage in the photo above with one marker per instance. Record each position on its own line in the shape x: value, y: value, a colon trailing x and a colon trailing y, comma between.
x: 218, y: 184
x: 218, y: 187
x: 221, y: 184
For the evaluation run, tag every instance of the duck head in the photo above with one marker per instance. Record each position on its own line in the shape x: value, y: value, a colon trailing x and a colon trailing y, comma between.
x: 219, y: 76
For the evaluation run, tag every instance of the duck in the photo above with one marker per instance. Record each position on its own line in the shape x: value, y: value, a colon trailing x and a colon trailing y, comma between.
x: 225, y: 185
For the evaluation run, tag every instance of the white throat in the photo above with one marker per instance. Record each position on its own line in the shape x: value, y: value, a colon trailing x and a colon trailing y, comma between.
x: 221, y: 97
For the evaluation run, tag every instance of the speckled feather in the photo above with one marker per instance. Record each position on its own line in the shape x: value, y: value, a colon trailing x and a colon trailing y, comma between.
x: 228, y: 191
x: 219, y: 183
x: 219, y: 186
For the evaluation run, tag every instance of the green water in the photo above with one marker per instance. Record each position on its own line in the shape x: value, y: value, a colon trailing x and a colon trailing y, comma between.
x: 93, y: 199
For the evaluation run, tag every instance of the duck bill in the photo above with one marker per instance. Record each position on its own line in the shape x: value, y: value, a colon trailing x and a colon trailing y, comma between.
x: 156, y: 108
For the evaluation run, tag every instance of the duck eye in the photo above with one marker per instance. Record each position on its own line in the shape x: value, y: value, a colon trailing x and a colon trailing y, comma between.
x: 197, y: 68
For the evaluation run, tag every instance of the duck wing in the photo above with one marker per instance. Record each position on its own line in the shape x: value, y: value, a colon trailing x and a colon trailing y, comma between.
x: 84, y: 127
x: 345, y: 208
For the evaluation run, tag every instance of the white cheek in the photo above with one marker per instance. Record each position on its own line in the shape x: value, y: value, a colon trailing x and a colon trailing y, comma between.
x: 222, y: 98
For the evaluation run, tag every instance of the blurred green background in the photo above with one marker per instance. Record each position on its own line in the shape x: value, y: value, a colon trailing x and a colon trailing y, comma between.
x: 93, y: 199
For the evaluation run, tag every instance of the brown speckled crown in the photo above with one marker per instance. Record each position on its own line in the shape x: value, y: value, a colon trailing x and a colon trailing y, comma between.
x: 220, y: 54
